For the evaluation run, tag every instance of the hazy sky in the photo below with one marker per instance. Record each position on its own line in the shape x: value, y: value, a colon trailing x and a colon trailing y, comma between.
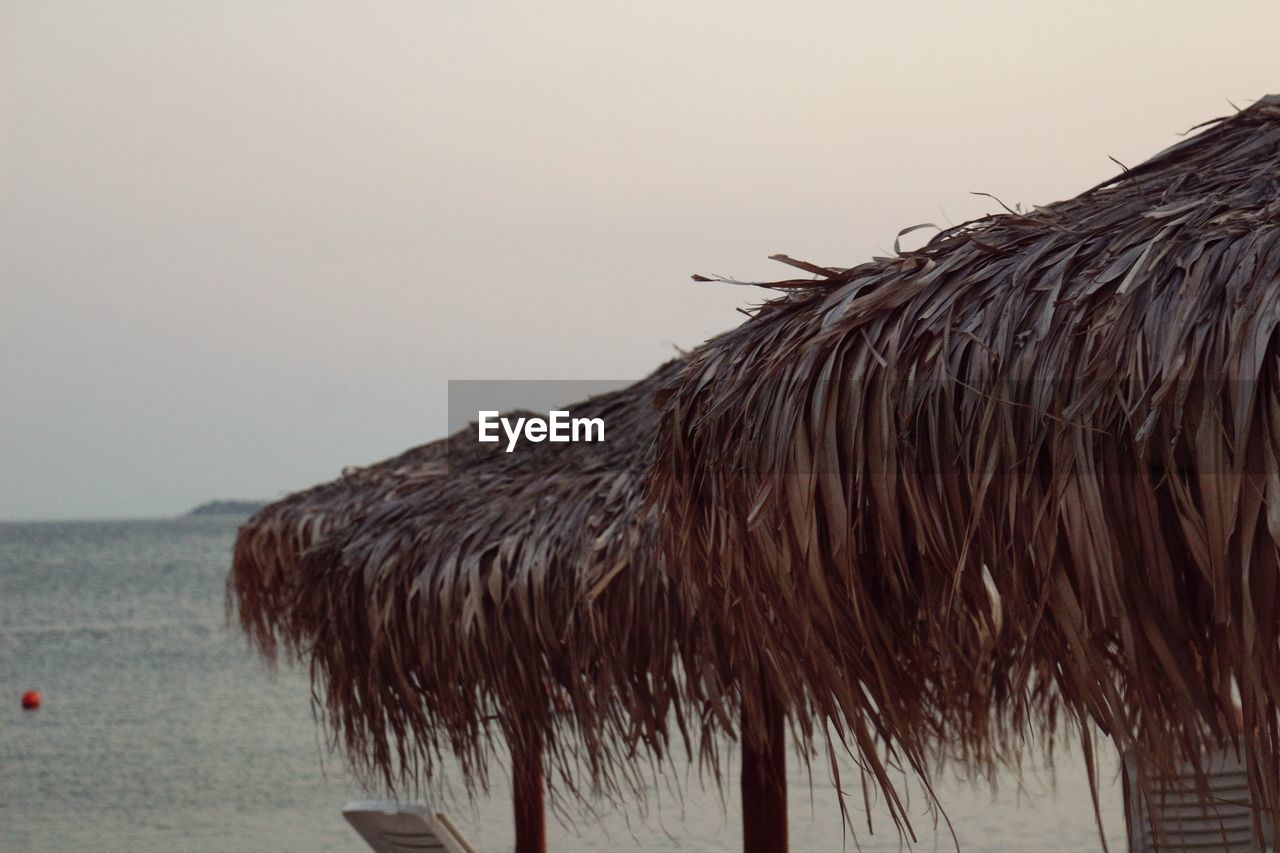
x: 244, y: 244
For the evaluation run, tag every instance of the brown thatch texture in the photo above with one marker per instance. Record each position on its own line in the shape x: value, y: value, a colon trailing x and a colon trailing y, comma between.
x: 269, y: 546
x: 1083, y: 400
x: 455, y: 593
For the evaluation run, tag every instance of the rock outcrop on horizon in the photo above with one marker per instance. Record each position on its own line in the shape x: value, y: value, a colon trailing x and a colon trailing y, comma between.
x: 245, y: 508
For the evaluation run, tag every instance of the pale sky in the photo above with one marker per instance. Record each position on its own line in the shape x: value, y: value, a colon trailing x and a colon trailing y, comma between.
x: 244, y: 244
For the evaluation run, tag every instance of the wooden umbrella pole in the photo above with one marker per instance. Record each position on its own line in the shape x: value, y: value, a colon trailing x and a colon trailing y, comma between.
x: 764, y: 781
x: 527, y: 796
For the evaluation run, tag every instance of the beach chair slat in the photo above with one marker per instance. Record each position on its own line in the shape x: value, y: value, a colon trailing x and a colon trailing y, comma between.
x: 1178, y: 814
x: 390, y: 827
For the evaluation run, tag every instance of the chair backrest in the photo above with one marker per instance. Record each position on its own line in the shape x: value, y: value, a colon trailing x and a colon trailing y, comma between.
x: 1174, y: 815
x: 391, y: 827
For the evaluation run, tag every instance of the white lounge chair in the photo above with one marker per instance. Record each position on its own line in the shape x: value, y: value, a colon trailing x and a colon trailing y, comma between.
x: 1177, y: 817
x: 391, y: 827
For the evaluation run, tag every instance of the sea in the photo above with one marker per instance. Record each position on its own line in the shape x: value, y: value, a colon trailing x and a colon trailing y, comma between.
x: 161, y: 730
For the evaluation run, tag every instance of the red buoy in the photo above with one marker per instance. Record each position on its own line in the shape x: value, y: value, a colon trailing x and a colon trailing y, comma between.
x: 31, y: 700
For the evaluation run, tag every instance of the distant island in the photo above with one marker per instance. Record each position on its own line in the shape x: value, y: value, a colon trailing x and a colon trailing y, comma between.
x: 228, y: 508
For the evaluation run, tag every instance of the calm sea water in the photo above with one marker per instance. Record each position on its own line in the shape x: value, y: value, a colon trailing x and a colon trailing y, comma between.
x: 161, y: 731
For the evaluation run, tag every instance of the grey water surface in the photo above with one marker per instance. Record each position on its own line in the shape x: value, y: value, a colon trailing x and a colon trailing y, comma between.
x: 161, y: 731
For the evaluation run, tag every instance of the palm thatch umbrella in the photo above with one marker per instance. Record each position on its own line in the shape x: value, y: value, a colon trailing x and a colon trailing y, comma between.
x: 1038, y: 458
x: 269, y: 546
x: 456, y: 593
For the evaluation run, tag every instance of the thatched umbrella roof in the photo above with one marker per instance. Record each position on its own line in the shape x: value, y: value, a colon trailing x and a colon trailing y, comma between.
x: 1039, y: 457
x: 459, y: 591
x: 269, y: 546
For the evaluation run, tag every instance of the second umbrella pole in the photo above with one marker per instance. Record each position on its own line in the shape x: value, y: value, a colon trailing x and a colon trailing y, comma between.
x: 764, y: 779
x: 527, y: 797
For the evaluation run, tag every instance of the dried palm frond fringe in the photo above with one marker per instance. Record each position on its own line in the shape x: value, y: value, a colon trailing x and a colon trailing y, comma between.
x: 1032, y: 467
x: 457, y: 592
x: 269, y: 546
